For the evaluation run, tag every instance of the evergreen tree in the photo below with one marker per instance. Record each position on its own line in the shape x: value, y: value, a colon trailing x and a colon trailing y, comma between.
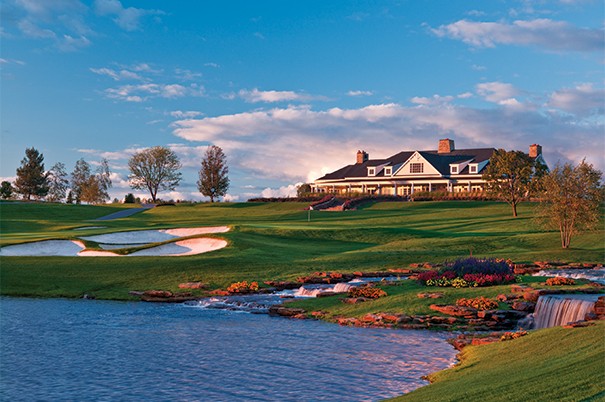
x: 70, y: 198
x: 57, y: 182
x: 213, y: 180
x: 31, y: 177
x: 6, y: 190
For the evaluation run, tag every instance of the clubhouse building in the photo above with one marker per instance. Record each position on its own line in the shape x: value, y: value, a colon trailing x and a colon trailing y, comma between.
x: 445, y: 169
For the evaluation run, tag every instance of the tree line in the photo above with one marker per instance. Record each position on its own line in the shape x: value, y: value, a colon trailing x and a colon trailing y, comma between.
x: 153, y: 169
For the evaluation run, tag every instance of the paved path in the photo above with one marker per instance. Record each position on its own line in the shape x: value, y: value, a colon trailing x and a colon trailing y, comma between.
x: 125, y: 213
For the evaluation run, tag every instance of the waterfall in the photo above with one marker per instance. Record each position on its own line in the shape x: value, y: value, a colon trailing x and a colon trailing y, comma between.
x: 554, y: 310
x: 313, y: 292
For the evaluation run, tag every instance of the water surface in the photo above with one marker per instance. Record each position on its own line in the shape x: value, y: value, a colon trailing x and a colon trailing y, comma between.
x: 54, y: 349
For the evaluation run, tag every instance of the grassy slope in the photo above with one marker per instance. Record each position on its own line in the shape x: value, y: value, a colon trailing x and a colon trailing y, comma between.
x: 554, y: 364
x: 273, y: 241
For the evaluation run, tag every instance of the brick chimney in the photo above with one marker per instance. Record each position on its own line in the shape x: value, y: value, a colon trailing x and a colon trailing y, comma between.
x: 535, y: 150
x: 445, y: 146
x: 362, y: 156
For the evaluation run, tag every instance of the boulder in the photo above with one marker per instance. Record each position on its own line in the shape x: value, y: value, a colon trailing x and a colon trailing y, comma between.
x: 192, y: 285
x: 157, y: 293
x: 578, y: 324
x: 219, y: 292
x: 282, y: 311
x: 523, y: 306
x: 457, y: 311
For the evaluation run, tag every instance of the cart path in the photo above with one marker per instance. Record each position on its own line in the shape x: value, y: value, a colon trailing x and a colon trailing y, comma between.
x: 125, y: 213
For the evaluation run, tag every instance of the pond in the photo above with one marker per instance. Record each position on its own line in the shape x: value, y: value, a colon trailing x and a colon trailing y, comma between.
x: 56, y: 349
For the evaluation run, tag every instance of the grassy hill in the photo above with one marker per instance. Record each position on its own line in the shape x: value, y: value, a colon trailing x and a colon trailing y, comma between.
x: 273, y: 241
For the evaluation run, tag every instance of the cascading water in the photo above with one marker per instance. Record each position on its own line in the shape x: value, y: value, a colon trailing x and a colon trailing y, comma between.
x: 313, y: 292
x: 554, y: 310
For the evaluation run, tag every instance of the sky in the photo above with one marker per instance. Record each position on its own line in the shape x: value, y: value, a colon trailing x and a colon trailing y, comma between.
x: 290, y: 90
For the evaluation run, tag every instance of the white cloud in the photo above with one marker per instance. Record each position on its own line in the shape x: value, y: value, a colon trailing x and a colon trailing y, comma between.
x: 360, y: 93
x: 498, y: 92
x: 255, y: 95
x: 542, y: 33
x: 117, y: 75
x: 300, y: 144
x: 434, y: 100
x: 179, y: 114
x: 142, y: 92
x: 129, y: 19
x: 583, y: 100
x: 231, y: 198
x: 281, y: 192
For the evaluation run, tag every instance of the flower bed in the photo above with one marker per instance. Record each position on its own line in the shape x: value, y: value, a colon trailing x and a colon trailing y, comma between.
x: 470, y: 272
x: 479, y: 303
x: 367, y: 292
x: 559, y: 280
x: 243, y: 287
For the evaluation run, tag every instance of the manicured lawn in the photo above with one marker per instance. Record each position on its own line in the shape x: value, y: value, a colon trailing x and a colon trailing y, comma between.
x: 554, y: 364
x: 273, y: 242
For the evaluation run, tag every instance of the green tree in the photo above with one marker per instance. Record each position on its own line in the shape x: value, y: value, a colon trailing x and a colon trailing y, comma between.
x: 31, y: 178
x: 571, y: 199
x: 154, y: 169
x: 79, y: 178
x: 511, y: 176
x: 57, y: 182
x: 303, y: 190
x: 6, y: 190
x: 129, y: 199
x: 70, y: 197
x: 213, y: 175
x: 88, y: 187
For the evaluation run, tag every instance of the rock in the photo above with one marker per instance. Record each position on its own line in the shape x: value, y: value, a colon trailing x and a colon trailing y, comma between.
x: 430, y: 295
x: 378, y: 274
x: 136, y: 293
x: 157, y: 293
x: 86, y: 296
x: 531, y: 296
x: 219, y: 292
x: 280, y: 310
x: 283, y: 285
x: 354, y: 300
x: 523, y: 306
x: 578, y: 324
x: 400, y: 270
x: 507, y: 297
x: 192, y: 285
x: 457, y: 311
x: 326, y: 294
x: 520, y: 288
x: 318, y: 314
x: 391, y: 318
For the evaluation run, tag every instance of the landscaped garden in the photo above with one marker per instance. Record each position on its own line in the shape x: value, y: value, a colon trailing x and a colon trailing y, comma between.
x: 276, y: 242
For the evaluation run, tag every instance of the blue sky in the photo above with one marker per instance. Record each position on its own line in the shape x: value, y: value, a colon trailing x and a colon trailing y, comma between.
x: 291, y: 90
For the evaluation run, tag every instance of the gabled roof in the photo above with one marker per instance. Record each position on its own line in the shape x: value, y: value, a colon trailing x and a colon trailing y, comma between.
x: 441, y: 162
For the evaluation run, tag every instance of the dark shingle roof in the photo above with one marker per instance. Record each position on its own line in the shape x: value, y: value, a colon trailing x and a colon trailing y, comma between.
x: 441, y: 162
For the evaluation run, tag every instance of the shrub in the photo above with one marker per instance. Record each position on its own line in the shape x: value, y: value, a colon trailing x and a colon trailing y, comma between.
x: 479, y: 303
x: 243, y: 287
x: 559, y: 280
x: 368, y: 292
x: 470, y: 272
x: 512, y: 335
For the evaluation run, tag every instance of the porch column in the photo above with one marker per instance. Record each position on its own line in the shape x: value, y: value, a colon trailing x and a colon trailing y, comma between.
x: 379, y: 189
x: 430, y: 187
x: 349, y: 188
x: 395, y: 188
x: 469, y: 187
x: 412, y: 189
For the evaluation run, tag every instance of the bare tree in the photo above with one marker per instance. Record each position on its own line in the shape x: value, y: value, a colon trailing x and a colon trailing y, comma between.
x: 214, y: 180
x: 571, y: 199
x: 154, y: 169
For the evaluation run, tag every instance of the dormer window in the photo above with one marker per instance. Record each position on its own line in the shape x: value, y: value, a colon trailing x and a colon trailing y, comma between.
x: 371, y: 171
x: 388, y: 171
x: 453, y: 169
x: 473, y: 168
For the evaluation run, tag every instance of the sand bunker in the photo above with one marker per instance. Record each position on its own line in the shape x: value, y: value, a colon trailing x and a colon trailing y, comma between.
x: 61, y: 248
x: 71, y: 248
x: 152, y: 236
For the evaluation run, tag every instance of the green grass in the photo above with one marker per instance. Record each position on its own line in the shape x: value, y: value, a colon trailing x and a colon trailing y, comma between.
x: 554, y: 364
x: 272, y: 242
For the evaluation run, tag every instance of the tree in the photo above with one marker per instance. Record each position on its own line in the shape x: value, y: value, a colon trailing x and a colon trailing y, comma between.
x: 303, y: 190
x: 6, y: 190
x: 154, y: 169
x: 129, y: 199
x: 511, y: 175
x: 70, y: 197
x: 31, y: 178
x: 57, y: 182
x: 213, y: 181
x: 571, y: 199
x: 79, y: 178
x: 88, y: 187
